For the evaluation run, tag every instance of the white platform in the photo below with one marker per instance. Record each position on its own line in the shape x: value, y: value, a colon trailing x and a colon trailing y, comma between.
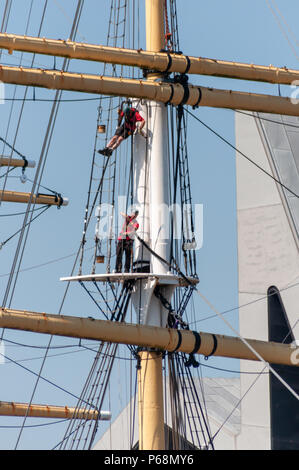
x: 121, y: 277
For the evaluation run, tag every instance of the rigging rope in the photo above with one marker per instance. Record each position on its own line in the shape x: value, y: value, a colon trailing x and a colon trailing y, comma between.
x: 192, y: 400
x: 43, y: 209
x: 168, y: 34
x: 116, y: 38
x: 39, y: 377
x: 244, y: 155
x: 281, y: 123
x: 14, y: 150
x: 281, y: 27
x: 102, y: 374
x: 83, y: 435
x: 228, y: 324
x: 21, y: 112
x: 32, y: 191
x: 44, y: 153
x: 248, y: 345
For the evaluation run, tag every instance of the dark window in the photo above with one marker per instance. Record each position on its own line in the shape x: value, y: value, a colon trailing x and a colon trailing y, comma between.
x: 284, y: 407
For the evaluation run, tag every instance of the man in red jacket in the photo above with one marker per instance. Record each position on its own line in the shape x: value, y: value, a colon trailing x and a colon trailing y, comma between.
x: 133, y: 122
x: 125, y: 241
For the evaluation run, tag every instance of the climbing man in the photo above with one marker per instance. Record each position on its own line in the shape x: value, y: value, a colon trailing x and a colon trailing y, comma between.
x: 125, y: 241
x: 133, y: 123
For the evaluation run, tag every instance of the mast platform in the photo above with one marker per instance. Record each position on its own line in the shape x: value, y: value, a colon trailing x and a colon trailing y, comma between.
x: 162, y: 279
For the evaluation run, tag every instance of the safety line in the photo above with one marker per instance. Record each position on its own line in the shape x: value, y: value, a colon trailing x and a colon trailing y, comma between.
x: 243, y: 154
x: 248, y: 345
x: 229, y: 325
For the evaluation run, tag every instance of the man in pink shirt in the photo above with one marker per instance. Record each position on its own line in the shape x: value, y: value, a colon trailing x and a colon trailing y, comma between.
x: 133, y: 122
x: 125, y: 242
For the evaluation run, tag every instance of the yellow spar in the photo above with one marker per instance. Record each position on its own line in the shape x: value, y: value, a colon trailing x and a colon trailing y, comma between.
x: 161, y: 91
x: 152, y: 60
x: 50, y: 411
x: 164, y: 339
x: 47, y: 199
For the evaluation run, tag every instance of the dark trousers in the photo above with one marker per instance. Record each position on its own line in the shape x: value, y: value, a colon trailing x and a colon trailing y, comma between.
x: 127, y: 247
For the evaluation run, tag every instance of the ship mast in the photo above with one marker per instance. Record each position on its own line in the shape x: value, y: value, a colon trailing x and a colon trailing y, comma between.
x: 150, y: 393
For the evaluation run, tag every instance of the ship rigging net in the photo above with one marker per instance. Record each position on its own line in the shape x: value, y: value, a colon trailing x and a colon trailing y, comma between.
x: 111, y: 189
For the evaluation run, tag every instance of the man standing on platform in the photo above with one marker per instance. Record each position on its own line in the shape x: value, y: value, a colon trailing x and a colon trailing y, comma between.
x: 125, y: 242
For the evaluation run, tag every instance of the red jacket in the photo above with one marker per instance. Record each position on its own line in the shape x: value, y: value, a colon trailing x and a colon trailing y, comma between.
x: 130, y: 225
x: 130, y: 121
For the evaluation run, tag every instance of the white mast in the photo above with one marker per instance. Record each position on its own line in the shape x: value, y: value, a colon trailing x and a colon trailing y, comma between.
x: 150, y: 388
x: 159, y: 188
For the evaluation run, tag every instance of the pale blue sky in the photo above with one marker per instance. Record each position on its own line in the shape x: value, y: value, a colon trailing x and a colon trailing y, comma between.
x: 240, y: 30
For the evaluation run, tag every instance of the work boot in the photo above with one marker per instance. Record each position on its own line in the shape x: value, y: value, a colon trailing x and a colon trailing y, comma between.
x: 106, y: 152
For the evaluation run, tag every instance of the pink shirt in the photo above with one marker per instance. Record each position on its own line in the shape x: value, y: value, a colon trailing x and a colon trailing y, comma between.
x: 130, y: 225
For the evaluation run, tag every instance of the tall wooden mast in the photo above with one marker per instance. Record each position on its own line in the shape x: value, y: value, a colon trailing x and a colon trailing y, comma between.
x: 150, y: 392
